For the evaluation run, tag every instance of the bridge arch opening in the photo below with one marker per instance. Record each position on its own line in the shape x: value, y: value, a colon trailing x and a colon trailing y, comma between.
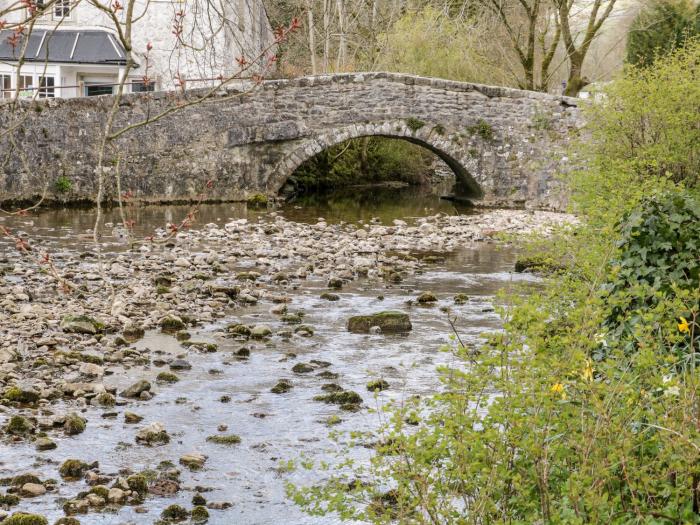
x: 376, y: 152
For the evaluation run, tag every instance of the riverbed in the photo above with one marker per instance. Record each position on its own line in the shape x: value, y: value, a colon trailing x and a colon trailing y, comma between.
x: 308, y: 264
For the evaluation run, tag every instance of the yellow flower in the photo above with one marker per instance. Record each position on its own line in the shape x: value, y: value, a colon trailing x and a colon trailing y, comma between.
x: 558, y: 388
x: 587, y: 374
x: 683, y: 326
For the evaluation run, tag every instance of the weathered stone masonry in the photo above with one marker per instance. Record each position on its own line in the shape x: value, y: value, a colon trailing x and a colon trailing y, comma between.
x: 504, y: 145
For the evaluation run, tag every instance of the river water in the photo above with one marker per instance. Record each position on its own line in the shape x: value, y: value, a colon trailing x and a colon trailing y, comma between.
x: 273, y: 428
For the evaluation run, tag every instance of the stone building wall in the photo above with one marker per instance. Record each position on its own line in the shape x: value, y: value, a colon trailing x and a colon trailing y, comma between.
x: 506, y: 146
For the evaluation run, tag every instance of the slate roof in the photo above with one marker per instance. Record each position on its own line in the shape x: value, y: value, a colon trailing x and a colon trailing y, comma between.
x: 66, y: 46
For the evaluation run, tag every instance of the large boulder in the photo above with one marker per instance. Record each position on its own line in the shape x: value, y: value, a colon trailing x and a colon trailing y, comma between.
x: 136, y: 389
x: 390, y: 322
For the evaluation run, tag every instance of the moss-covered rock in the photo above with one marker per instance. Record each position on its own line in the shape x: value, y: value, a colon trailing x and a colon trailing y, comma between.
x: 260, y: 331
x: 23, y: 479
x: 283, y: 386
x: 292, y: 318
x: 198, y: 500
x: 21, y: 518
x: 330, y: 296
x: 74, y: 424
x: 138, y: 483
x: 302, y: 368
x: 19, y: 426
x: 105, y: 399
x: 9, y: 500
x: 225, y: 439
x: 67, y: 520
x: 18, y: 394
x: 335, y: 283
x: 242, y: 353
x: 174, y: 513
x: 163, y: 279
x: 73, y: 469
x: 101, y: 491
x: 171, y: 324
x: 153, y: 434
x: 42, y: 444
x: 200, y: 514
x: 167, y: 377
x: 80, y: 324
x: 427, y: 298
x: 537, y: 264
x: 304, y: 330
x: 461, y: 298
x: 389, y: 321
x: 247, y: 276
x: 183, y: 335
x: 238, y: 329
x: 340, y: 398
x: 377, y: 385
x: 258, y: 200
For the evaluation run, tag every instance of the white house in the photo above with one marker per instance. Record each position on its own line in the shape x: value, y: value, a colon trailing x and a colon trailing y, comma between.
x: 74, y: 48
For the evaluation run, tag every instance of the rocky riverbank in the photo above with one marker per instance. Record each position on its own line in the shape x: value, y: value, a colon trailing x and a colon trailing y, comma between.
x: 72, y: 360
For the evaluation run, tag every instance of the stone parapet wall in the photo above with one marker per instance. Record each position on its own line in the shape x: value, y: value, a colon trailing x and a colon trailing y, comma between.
x: 505, y: 145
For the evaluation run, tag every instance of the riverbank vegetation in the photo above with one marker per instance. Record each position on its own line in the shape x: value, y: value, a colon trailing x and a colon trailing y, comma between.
x: 367, y: 160
x: 585, y: 408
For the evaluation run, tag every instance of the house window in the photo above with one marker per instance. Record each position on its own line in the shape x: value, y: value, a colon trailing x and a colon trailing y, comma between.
x: 5, y: 85
x: 25, y: 85
x: 61, y: 9
x: 95, y: 90
x: 139, y: 86
x: 40, y: 9
x: 46, y: 87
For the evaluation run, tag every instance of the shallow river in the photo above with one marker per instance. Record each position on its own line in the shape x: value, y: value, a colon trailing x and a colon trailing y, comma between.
x: 273, y: 428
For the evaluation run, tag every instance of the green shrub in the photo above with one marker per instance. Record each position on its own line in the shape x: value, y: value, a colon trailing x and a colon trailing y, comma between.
x: 658, y: 260
x: 63, y: 184
x: 542, y: 121
x: 414, y: 124
x: 259, y: 200
x: 482, y: 129
x: 646, y: 126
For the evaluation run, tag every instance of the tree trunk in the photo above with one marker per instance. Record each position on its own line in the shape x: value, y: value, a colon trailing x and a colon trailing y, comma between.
x: 342, y: 44
x: 576, y: 82
x: 326, y: 34
x: 312, y: 39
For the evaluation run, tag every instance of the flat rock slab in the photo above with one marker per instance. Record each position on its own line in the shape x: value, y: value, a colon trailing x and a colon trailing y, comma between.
x: 390, y: 322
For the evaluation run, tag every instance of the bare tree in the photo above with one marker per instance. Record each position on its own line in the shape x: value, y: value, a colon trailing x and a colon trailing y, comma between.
x: 577, y: 43
x: 534, y: 33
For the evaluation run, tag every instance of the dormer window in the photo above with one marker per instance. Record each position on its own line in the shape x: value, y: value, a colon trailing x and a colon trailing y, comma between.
x: 61, y: 9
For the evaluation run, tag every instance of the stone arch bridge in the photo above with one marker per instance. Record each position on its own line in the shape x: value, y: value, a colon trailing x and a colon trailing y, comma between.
x: 506, y: 146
